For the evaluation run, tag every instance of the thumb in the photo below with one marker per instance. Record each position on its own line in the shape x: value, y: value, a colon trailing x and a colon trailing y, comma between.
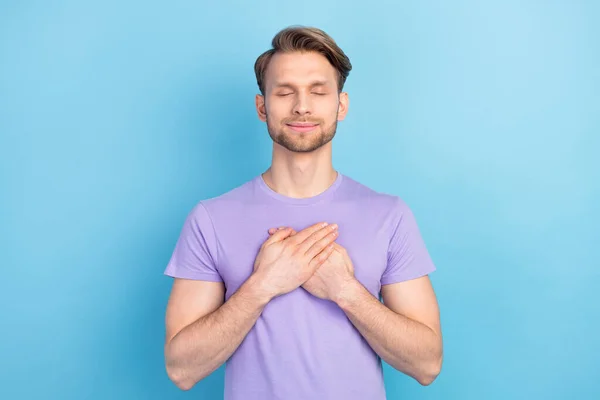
x: 273, y: 230
x: 279, y: 235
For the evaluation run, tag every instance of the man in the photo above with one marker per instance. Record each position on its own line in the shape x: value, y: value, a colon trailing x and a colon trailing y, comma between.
x: 289, y: 303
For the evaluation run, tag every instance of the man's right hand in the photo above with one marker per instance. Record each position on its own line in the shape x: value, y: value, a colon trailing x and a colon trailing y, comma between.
x: 286, y: 261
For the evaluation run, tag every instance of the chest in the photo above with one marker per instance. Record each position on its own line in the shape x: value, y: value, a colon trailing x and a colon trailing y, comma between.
x: 365, y: 240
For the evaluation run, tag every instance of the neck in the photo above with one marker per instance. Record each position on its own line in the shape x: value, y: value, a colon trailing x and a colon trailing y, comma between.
x: 300, y: 175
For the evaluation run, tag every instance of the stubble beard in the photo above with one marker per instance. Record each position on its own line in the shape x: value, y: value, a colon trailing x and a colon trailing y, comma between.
x: 300, y: 142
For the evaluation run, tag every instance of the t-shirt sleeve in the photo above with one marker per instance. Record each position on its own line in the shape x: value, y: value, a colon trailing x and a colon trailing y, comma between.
x: 195, y: 254
x: 408, y: 257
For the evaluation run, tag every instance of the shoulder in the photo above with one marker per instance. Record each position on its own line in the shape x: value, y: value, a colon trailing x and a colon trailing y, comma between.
x: 391, y: 205
x: 234, y: 198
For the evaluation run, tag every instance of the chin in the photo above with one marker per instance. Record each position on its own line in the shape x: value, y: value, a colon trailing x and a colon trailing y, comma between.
x: 302, y: 142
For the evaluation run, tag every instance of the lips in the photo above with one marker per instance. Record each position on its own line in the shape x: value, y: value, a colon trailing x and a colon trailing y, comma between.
x: 302, y: 126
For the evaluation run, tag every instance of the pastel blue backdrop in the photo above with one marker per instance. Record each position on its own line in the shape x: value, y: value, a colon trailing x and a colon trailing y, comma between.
x: 116, y: 118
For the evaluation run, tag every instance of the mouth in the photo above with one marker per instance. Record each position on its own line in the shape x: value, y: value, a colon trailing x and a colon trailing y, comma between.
x: 302, y: 126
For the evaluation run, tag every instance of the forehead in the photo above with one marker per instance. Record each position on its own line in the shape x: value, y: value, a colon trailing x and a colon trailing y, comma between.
x: 300, y: 69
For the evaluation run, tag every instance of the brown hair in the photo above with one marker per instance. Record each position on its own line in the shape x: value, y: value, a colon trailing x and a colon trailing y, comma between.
x: 304, y: 39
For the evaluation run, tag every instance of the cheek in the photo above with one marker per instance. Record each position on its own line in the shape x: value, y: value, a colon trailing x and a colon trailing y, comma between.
x: 276, y: 110
x: 329, y: 107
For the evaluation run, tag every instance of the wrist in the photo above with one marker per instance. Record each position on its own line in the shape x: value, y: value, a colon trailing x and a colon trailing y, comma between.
x: 256, y: 285
x: 347, y: 293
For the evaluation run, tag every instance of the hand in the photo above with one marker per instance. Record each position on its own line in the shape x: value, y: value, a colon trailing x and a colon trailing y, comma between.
x: 286, y: 261
x: 331, y: 276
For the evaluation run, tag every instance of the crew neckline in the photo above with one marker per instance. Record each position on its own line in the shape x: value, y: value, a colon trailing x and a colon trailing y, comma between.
x: 300, y: 201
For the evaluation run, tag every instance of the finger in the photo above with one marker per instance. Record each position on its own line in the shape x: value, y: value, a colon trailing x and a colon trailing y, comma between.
x: 306, y: 232
x: 341, y: 249
x: 273, y: 230
x: 320, y: 240
x: 278, y: 236
x: 317, y: 261
x: 315, y: 237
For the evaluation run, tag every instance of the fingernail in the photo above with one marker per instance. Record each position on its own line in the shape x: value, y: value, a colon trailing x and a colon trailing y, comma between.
x: 325, y: 224
x: 334, y: 226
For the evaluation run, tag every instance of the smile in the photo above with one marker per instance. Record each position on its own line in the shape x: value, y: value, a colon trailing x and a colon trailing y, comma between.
x: 302, y: 127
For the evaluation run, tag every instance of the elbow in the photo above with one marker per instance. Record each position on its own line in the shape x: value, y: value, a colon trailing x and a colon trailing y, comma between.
x: 429, y: 374
x: 178, y: 377
x: 426, y: 380
x: 177, y: 374
x: 184, y: 379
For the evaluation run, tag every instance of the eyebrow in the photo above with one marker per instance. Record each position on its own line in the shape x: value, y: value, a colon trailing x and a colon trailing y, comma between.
x: 292, y: 86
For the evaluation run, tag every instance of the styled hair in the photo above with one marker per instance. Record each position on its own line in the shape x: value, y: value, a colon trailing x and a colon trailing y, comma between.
x: 304, y: 39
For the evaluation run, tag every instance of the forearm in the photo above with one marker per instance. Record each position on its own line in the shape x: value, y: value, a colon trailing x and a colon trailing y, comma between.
x: 203, y: 346
x: 405, y: 344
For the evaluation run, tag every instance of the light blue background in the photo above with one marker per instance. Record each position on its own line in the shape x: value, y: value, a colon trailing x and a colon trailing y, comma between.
x: 116, y: 118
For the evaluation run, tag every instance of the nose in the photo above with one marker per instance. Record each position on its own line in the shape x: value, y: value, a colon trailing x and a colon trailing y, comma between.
x: 302, y: 105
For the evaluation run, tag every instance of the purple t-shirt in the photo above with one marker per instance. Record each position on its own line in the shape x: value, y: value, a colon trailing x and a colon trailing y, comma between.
x: 302, y: 347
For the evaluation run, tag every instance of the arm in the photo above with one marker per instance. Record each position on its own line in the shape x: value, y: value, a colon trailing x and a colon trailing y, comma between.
x: 405, y: 332
x: 203, y: 331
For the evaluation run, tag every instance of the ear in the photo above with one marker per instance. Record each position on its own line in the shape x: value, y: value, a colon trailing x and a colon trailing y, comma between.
x: 343, y: 106
x: 260, y: 107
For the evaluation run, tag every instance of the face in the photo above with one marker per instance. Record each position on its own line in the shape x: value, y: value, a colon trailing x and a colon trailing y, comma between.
x: 301, y: 105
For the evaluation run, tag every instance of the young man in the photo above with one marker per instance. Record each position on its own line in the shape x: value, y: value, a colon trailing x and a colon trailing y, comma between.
x: 291, y: 304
